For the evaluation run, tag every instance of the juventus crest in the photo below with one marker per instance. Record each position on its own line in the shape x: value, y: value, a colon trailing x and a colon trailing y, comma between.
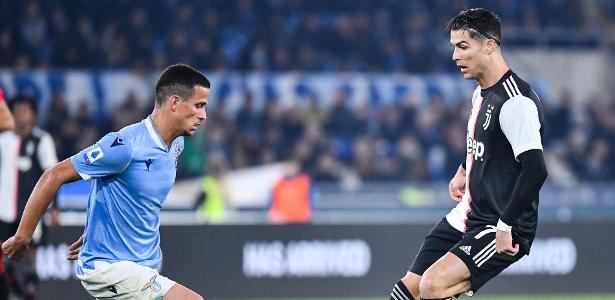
x: 490, y: 108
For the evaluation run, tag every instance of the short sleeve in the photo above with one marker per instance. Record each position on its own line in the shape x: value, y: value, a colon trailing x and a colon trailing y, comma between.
x: 111, y: 155
x: 519, y: 122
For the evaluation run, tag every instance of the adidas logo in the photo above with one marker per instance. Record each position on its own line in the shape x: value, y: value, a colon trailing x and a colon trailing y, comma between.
x: 466, y: 249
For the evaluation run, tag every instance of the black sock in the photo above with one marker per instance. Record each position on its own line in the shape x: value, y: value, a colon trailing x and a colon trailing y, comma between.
x: 400, y: 292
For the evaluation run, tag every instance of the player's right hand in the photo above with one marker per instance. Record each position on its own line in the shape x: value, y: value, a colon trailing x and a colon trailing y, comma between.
x: 15, y: 247
x: 73, y: 250
x: 457, y: 186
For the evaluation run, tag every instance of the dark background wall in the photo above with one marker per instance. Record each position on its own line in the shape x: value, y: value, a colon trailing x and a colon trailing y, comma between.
x: 339, y: 260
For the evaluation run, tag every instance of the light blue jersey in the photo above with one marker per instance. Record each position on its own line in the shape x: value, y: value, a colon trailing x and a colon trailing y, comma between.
x: 132, y: 172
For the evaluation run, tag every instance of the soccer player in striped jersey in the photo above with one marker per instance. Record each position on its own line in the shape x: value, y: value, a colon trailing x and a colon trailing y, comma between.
x: 25, y: 154
x: 497, y: 185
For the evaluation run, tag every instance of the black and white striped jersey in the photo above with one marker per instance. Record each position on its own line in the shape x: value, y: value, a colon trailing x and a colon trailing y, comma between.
x: 506, y: 120
x: 22, y: 162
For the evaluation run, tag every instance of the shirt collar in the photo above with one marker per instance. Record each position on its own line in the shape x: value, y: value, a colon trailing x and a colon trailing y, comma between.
x: 153, y: 133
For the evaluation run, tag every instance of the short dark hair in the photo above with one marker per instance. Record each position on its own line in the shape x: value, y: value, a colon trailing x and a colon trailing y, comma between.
x: 481, y: 23
x: 180, y: 80
x: 30, y: 101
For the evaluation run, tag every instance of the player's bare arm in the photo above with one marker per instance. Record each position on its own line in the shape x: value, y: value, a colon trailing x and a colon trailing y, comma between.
x: 457, y: 186
x: 44, y: 191
x: 6, y: 118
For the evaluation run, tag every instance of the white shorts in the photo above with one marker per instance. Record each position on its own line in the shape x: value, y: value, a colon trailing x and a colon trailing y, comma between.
x: 124, y: 280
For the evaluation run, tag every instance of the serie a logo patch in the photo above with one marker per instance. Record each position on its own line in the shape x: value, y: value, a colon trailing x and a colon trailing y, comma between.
x: 93, y: 155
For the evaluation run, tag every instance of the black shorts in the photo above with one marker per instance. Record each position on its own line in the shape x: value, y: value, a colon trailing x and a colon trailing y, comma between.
x: 440, y: 240
x: 476, y: 248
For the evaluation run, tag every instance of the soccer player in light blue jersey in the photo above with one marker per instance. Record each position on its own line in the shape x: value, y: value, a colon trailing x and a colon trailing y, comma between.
x: 132, y: 172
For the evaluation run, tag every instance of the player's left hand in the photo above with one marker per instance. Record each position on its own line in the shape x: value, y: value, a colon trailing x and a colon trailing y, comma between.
x: 15, y: 247
x: 504, y: 243
x: 73, y: 250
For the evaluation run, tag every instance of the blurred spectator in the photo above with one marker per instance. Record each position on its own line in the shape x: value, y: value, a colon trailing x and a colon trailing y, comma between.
x: 126, y: 112
x: 341, y: 122
x: 211, y: 202
x: 26, y: 153
x: 559, y: 119
x: 600, y: 161
x: 292, y: 198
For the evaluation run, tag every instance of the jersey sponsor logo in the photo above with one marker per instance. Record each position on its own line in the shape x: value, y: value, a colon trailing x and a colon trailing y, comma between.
x: 117, y: 142
x: 475, y: 147
x: 466, y: 249
x: 93, y: 155
x: 490, y: 108
x: 148, y: 162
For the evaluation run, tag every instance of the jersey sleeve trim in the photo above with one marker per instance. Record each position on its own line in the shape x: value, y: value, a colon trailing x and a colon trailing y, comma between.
x: 527, y: 147
x: 501, y: 226
x: 153, y: 133
x: 84, y: 176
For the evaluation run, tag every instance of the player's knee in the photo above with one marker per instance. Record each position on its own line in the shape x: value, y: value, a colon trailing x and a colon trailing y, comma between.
x: 430, y: 286
x: 411, y: 281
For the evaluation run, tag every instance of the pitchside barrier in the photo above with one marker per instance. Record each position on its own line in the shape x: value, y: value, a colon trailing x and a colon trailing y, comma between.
x: 259, y: 261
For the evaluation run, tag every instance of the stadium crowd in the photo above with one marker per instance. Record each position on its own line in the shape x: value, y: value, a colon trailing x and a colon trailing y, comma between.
x: 361, y: 35
x: 407, y: 141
